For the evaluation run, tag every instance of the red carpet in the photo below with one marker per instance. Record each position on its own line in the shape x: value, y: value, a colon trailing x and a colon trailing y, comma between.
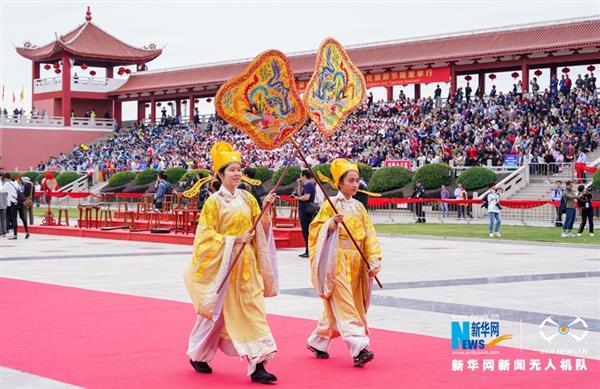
x: 105, y: 340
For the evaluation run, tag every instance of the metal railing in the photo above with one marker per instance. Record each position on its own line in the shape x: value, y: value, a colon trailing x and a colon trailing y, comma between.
x: 100, y: 123
x: 81, y: 84
x: 549, y: 172
x: 31, y: 121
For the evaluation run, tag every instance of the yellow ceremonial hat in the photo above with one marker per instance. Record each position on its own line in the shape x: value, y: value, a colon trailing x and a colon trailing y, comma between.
x: 223, y: 153
x: 340, y: 166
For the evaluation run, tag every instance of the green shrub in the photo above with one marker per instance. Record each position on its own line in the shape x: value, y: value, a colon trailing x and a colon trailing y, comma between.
x: 174, y: 174
x: 66, y: 178
x: 476, y: 177
x: 366, y: 171
x: 263, y: 173
x: 389, y: 178
x: 192, y: 173
x: 292, y: 175
x: 434, y: 175
x: 120, y: 178
x: 145, y: 177
x: 596, y: 181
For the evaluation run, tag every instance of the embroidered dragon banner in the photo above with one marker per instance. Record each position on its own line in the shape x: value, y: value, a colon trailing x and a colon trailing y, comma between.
x: 263, y: 101
x: 336, y: 88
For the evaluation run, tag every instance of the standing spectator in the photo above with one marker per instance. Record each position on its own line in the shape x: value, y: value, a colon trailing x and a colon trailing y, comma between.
x: 535, y: 87
x: 493, y: 206
x: 438, y: 96
x: 461, y: 194
x: 307, y: 208
x: 90, y: 177
x: 3, y: 207
x: 554, y: 85
x: 570, y: 198
x: 161, y: 190
x: 468, y: 91
x: 557, y: 196
x: 444, y: 195
x: 584, y: 202
x: 28, y: 202
x: 419, y: 193
x: 37, y: 189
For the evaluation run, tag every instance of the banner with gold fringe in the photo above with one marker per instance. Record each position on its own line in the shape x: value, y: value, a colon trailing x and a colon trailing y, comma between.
x: 263, y: 101
x: 336, y: 88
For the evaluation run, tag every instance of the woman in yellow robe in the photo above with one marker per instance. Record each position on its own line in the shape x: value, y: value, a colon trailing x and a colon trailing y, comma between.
x: 338, y: 272
x: 233, y: 319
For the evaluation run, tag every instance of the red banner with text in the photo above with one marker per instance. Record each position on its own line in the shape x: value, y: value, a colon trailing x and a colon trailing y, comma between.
x: 405, y: 77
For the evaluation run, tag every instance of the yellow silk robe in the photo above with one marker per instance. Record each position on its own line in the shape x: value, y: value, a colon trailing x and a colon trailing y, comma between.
x: 224, y: 217
x: 338, y: 272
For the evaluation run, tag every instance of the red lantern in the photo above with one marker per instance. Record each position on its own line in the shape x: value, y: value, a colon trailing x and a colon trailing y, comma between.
x: 591, y: 68
x: 208, y: 100
x: 566, y: 70
x: 468, y: 78
x: 47, y: 66
x: 492, y: 76
x: 170, y: 104
x: 184, y: 102
x: 196, y: 101
x: 514, y: 75
x: 120, y: 72
x: 56, y: 65
x: 127, y: 71
x: 158, y: 104
x: 538, y: 72
x: 147, y: 105
x: 84, y: 66
x: 57, y: 71
x: 92, y: 73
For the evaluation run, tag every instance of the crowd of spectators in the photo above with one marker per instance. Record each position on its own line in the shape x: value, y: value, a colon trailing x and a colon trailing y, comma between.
x: 553, y: 125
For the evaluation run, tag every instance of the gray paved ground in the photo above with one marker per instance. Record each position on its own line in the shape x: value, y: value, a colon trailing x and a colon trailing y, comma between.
x: 428, y: 283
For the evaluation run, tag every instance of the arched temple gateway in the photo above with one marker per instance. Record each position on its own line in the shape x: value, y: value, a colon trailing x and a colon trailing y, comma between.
x: 72, y: 85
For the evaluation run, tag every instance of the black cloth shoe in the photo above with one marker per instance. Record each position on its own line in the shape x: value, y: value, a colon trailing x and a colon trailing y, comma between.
x: 305, y: 255
x: 201, y: 367
x: 363, y: 358
x: 27, y: 235
x: 12, y: 237
x: 318, y: 353
x: 262, y: 376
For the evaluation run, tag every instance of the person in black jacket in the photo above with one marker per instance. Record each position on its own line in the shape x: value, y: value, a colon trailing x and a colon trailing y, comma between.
x: 584, y: 203
x: 419, y: 193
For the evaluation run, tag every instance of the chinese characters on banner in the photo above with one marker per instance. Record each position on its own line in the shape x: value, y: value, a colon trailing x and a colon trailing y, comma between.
x: 404, y: 77
x: 405, y: 163
x: 401, y: 77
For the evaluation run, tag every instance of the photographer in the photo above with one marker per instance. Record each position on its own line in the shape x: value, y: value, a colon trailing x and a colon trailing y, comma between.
x: 584, y: 202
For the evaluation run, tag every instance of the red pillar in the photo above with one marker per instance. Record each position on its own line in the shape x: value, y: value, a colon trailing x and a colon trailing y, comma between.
x: 109, y: 72
x: 117, y: 111
x: 192, y: 105
x: 178, y: 107
x: 141, y: 112
x: 152, y: 111
x: 35, y: 74
x: 390, y: 93
x: 481, y: 82
x: 525, y: 76
x: 417, y: 91
x: 452, y: 79
x: 66, y: 90
x: 552, y: 71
